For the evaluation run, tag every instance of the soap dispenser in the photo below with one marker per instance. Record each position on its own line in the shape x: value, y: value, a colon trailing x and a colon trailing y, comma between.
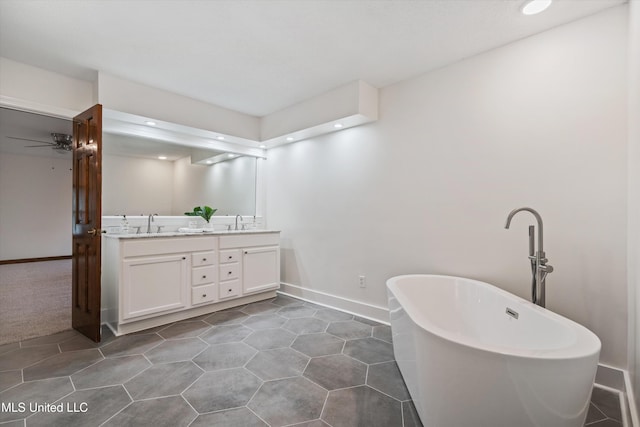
x: 124, y: 226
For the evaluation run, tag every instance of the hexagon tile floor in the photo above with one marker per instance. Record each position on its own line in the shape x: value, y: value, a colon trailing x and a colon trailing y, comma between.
x: 282, y: 362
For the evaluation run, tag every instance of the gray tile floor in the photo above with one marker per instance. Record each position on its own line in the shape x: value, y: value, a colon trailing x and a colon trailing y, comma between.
x: 282, y: 362
x: 605, y: 410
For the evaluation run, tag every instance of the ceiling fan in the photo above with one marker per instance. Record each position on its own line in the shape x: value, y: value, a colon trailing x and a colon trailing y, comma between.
x: 61, y: 142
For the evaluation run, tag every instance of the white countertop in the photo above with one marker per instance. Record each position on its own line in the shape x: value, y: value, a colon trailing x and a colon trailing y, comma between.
x: 181, y: 234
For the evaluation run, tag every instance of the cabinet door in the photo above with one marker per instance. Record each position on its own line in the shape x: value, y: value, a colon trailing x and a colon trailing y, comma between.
x: 154, y: 284
x: 260, y: 269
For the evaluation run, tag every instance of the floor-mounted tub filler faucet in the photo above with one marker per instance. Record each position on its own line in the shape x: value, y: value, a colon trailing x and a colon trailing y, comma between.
x: 539, y: 267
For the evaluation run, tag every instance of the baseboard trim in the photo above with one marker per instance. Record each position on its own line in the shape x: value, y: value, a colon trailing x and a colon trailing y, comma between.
x: 631, y: 401
x: 24, y: 260
x: 358, y: 308
x: 610, y: 377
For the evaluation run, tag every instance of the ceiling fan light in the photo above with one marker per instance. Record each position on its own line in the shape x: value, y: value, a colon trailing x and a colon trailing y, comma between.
x: 62, y: 138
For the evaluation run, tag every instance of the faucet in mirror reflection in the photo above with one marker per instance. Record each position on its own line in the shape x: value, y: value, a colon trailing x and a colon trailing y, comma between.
x: 149, y: 221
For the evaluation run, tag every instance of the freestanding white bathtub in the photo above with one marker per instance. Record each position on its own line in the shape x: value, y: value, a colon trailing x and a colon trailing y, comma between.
x: 473, y: 355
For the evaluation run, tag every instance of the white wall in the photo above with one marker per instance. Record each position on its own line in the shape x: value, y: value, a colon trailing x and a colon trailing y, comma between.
x: 35, y: 206
x: 634, y: 198
x: 135, y: 186
x: 135, y: 98
x: 228, y: 186
x: 34, y: 89
x: 540, y: 122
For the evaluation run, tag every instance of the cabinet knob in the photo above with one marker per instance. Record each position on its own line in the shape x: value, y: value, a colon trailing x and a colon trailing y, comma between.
x: 229, y: 272
x: 184, y: 257
x: 204, y: 259
x: 204, y: 295
x: 230, y: 256
x: 230, y: 290
x: 246, y: 252
x: 204, y: 277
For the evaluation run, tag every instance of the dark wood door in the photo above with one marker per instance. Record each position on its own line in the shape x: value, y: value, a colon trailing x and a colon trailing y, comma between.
x: 87, y: 221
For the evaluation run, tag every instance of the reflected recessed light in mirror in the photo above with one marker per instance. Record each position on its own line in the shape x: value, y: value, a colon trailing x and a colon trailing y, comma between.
x: 209, y: 162
x: 289, y: 138
x: 263, y: 146
x: 230, y: 155
x: 162, y: 157
x: 338, y: 125
x: 150, y: 123
x: 221, y: 138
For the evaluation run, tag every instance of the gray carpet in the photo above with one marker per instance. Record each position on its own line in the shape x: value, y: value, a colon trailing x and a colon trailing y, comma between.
x: 35, y: 299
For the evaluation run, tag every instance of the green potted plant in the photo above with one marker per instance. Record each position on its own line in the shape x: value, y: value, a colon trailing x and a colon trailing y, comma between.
x: 205, y: 212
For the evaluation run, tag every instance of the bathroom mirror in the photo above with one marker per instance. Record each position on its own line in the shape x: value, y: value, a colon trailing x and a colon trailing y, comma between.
x: 167, y: 172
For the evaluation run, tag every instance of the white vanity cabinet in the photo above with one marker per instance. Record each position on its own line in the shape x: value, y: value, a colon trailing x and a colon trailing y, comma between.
x: 260, y: 269
x: 230, y: 285
x: 149, y: 281
x: 203, y: 278
x: 145, y: 277
x: 153, y: 284
x: 258, y: 260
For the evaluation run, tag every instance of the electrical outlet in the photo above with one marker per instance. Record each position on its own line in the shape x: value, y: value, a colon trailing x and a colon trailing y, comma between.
x: 362, y: 281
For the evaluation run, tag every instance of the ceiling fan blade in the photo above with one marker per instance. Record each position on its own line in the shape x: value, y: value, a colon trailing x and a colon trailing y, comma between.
x: 32, y: 146
x: 28, y: 139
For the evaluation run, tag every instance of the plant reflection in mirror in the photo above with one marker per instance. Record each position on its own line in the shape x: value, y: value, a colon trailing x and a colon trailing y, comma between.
x: 205, y: 212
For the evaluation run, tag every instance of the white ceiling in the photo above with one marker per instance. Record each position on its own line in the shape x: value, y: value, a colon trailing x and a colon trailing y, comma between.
x: 259, y: 56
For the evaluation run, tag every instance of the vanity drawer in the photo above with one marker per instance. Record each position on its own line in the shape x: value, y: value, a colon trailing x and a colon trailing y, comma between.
x: 203, y: 275
x: 203, y: 294
x: 230, y: 288
x: 229, y: 271
x: 203, y: 258
x: 230, y: 255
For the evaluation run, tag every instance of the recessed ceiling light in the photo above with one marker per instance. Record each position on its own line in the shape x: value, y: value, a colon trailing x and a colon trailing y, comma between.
x: 150, y: 123
x: 263, y: 146
x: 221, y: 138
x: 230, y: 155
x: 289, y: 138
x: 535, y: 6
x: 338, y: 125
x: 162, y: 157
x: 209, y: 162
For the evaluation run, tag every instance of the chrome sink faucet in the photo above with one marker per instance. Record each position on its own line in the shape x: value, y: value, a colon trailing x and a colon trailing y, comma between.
x: 239, y: 216
x: 149, y: 221
x: 539, y: 267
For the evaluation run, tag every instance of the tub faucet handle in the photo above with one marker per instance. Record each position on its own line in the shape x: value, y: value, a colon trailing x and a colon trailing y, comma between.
x: 546, y: 268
